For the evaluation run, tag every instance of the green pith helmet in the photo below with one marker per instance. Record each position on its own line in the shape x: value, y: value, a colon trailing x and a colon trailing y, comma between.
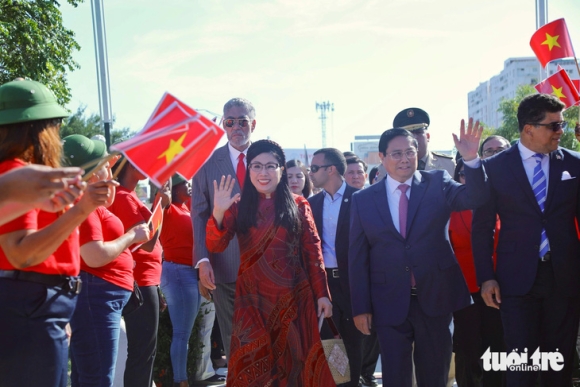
x: 78, y: 149
x: 177, y: 179
x: 25, y: 100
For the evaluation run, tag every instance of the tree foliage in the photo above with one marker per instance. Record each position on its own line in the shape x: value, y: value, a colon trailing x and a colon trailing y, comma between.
x: 509, y: 127
x: 34, y: 44
x: 88, y: 126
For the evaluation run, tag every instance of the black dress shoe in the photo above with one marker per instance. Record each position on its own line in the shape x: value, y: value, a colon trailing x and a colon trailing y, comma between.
x: 368, y: 381
x: 215, y: 380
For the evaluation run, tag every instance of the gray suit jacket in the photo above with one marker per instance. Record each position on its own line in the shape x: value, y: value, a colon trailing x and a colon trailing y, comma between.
x: 225, y: 265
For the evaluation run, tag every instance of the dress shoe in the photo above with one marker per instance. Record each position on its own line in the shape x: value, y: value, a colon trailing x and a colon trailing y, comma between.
x: 369, y: 381
x: 215, y: 380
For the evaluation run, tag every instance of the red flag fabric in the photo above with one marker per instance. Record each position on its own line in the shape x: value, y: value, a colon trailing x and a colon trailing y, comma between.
x: 156, y: 219
x: 551, y: 42
x: 560, y: 85
x: 177, y: 139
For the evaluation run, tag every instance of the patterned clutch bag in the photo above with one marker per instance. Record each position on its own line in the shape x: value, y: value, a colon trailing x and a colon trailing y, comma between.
x: 335, y: 353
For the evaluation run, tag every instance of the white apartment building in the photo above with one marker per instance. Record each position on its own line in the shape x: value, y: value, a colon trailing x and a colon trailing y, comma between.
x: 484, y: 101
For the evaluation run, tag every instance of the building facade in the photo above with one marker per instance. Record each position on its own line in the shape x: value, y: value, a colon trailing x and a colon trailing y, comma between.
x: 483, y: 102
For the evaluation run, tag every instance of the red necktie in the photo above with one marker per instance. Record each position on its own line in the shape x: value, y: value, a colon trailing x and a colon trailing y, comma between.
x: 241, y: 171
x: 403, y: 206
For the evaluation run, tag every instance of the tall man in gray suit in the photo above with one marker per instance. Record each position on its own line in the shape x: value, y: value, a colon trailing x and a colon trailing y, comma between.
x: 218, y: 272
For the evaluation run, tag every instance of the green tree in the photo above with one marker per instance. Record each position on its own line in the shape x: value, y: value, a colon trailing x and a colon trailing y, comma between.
x: 88, y: 126
x: 34, y: 44
x: 509, y: 127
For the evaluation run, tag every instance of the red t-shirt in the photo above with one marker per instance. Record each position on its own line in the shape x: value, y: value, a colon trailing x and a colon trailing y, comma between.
x: 65, y: 260
x: 177, y: 235
x: 131, y: 211
x: 102, y: 225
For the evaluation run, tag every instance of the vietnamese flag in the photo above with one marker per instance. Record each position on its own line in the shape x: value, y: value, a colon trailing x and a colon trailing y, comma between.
x: 177, y: 139
x: 560, y: 85
x: 551, y: 42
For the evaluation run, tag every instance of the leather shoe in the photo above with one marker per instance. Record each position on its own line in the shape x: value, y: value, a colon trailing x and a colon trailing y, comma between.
x: 215, y: 380
x: 368, y: 381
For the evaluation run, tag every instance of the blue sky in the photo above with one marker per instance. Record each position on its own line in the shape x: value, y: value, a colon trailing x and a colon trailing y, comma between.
x: 370, y: 58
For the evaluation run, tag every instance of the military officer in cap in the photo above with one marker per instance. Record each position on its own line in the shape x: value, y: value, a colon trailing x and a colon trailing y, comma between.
x: 417, y: 122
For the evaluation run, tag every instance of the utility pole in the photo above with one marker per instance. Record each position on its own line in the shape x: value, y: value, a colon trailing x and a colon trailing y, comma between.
x: 102, y: 61
x: 324, y: 107
x: 541, y: 20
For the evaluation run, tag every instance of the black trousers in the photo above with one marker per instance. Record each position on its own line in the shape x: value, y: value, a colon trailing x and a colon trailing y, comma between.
x: 542, y: 318
x: 142, y: 327
x: 476, y: 328
x: 371, y: 351
x: 352, y: 337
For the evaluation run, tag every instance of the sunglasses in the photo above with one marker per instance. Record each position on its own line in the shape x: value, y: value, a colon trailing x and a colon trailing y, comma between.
x: 554, y: 126
x: 314, y: 168
x: 243, y: 122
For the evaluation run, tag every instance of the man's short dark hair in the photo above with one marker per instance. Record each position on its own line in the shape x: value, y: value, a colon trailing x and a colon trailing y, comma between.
x: 334, y: 157
x: 388, y: 135
x: 243, y: 103
x: 349, y: 155
x: 533, y: 108
x: 356, y: 160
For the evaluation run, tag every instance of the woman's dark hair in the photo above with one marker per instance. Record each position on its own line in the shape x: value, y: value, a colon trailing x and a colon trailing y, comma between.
x: 285, y: 207
x: 458, y: 167
x: 307, y: 190
x: 373, y: 174
x: 36, y: 142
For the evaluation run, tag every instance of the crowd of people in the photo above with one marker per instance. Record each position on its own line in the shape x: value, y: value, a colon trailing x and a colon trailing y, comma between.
x: 426, y: 260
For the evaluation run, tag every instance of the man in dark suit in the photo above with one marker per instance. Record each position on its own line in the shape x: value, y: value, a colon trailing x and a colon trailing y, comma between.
x: 331, y: 210
x: 218, y: 272
x: 536, y: 283
x: 404, y: 278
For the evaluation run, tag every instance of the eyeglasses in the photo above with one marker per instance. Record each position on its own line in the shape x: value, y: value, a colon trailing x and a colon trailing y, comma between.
x: 314, y: 168
x: 490, y: 152
x: 398, y: 155
x: 243, y: 122
x: 554, y: 126
x: 258, y: 167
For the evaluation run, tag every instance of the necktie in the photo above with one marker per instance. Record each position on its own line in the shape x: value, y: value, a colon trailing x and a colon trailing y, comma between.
x: 539, y: 188
x: 403, y: 206
x: 421, y: 165
x: 241, y: 171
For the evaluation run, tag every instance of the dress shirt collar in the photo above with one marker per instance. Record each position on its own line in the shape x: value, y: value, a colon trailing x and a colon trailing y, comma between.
x: 393, y: 185
x: 525, y: 153
x: 234, y: 153
x: 339, y: 193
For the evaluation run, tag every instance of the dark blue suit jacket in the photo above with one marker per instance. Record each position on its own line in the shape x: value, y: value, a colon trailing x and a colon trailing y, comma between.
x: 342, y: 230
x: 512, y: 198
x: 380, y: 259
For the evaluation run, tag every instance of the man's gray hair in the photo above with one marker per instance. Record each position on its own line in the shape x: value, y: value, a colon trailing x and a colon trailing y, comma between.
x: 243, y: 103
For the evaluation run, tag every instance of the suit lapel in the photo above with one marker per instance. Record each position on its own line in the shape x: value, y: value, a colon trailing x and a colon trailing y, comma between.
x: 556, y: 169
x: 418, y: 189
x: 344, y: 209
x: 316, y: 204
x: 516, y: 164
x: 224, y: 165
x: 382, y: 204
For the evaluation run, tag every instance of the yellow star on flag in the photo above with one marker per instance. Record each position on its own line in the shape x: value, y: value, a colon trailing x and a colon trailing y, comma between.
x: 551, y: 41
x: 174, y: 149
x: 557, y: 91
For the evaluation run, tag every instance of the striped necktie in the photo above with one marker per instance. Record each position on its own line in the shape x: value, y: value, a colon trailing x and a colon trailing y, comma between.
x: 539, y: 187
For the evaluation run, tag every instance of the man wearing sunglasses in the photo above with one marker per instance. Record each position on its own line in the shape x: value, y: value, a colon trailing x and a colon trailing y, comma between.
x: 218, y: 271
x: 535, y: 190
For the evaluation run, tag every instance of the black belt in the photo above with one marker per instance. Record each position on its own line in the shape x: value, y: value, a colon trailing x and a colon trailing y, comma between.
x: 547, y: 257
x: 73, y: 284
x: 333, y: 273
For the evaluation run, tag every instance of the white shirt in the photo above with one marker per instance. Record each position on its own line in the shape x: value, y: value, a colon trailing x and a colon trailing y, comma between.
x: 330, y: 211
x: 530, y: 163
x: 394, y: 195
x: 234, y: 154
